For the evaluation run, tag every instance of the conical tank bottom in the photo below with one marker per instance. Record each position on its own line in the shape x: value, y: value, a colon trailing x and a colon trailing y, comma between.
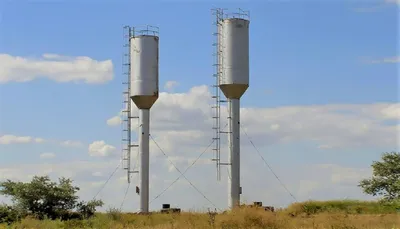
x: 233, y: 91
x: 144, y: 101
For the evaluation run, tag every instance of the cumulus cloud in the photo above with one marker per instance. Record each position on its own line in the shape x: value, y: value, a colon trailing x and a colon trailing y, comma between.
x: 101, y: 149
x: 170, y: 85
x: 55, y: 67
x: 114, y: 121
x: 316, y: 181
x: 12, y: 139
x: 327, y: 126
x: 47, y: 155
x: 337, y: 128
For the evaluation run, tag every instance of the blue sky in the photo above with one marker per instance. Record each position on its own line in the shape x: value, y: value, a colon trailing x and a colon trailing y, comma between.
x: 301, y: 53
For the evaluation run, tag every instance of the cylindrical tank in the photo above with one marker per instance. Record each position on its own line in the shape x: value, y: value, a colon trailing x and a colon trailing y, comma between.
x: 144, y: 70
x: 235, y: 53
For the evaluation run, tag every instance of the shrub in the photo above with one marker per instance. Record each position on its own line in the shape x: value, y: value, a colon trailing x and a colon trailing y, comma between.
x: 114, y: 214
x: 9, y: 214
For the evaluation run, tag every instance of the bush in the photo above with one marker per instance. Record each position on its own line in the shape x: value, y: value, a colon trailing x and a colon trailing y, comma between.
x: 114, y: 214
x: 44, y: 199
x: 9, y: 214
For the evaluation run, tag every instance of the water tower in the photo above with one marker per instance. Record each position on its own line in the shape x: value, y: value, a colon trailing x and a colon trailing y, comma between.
x: 143, y: 91
x: 232, y: 74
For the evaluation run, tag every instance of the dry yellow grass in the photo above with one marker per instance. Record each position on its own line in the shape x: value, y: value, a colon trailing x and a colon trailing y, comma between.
x: 248, y: 218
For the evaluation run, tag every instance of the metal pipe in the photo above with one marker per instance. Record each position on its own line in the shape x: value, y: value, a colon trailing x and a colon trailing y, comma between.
x: 234, y: 155
x: 144, y: 115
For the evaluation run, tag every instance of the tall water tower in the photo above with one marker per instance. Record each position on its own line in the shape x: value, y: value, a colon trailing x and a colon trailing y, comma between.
x: 143, y: 91
x: 233, y: 80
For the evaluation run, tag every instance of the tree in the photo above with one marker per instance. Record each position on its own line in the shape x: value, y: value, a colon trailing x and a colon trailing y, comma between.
x: 386, y: 178
x: 43, y: 198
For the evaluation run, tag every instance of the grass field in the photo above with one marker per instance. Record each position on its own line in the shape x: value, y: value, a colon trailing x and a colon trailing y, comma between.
x: 313, y: 214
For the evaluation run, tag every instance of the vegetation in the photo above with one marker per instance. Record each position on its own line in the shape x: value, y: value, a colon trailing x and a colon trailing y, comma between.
x: 45, y: 204
x: 246, y: 218
x: 386, y: 178
x: 343, y: 206
x: 43, y: 199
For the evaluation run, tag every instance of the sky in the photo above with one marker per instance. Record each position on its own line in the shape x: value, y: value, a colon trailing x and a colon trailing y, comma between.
x: 321, y: 106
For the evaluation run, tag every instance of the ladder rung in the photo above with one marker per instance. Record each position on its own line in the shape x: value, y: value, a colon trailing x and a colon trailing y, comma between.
x: 224, y: 163
x: 134, y: 145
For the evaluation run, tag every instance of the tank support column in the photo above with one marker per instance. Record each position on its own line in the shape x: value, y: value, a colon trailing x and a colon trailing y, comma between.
x: 234, y: 154
x: 144, y: 137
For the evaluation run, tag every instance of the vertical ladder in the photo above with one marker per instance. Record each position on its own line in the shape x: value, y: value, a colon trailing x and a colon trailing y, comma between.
x: 127, y: 110
x: 217, y: 65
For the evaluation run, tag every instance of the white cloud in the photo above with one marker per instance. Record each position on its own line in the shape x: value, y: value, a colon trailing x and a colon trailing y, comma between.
x: 97, y: 174
x: 39, y: 140
x: 170, y: 85
x: 114, y: 121
x: 393, y: 1
x: 378, y: 6
x: 343, y: 128
x: 71, y: 143
x: 315, y: 181
x: 324, y: 147
x: 55, y: 67
x: 327, y: 126
x: 392, y: 112
x: 12, y: 139
x: 8, y: 139
x: 385, y: 60
x: 101, y: 149
x: 47, y: 155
